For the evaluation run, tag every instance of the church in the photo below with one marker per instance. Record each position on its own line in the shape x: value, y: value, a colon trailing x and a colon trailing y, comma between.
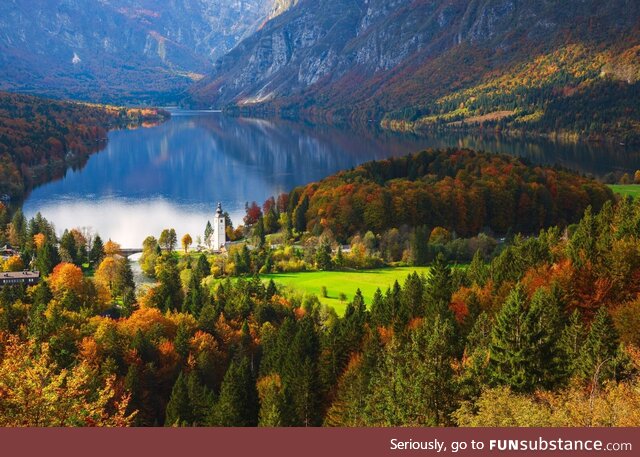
x: 219, y: 230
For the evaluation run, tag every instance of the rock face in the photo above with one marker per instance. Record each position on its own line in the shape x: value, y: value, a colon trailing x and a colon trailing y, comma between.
x: 338, y: 54
x: 112, y: 50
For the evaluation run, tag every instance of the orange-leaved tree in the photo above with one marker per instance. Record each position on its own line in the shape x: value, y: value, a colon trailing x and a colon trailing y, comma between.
x: 35, y: 392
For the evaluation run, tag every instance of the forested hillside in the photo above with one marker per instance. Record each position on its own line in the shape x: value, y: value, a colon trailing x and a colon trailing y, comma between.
x: 544, y: 333
x: 551, y: 67
x: 461, y: 190
x: 119, y: 51
x: 40, y: 138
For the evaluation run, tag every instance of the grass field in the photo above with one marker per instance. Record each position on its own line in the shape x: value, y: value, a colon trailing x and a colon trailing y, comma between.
x: 626, y: 189
x: 347, y: 282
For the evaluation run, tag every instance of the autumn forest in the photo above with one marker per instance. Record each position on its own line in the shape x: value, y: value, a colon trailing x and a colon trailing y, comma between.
x: 351, y: 214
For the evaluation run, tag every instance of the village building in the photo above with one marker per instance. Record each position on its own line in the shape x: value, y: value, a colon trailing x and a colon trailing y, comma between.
x: 7, y: 252
x: 29, y: 278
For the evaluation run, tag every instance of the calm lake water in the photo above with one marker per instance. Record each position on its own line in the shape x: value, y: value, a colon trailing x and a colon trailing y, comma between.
x: 173, y: 175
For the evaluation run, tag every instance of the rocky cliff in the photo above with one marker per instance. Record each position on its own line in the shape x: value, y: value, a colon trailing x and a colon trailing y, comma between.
x: 377, y: 58
x: 114, y: 50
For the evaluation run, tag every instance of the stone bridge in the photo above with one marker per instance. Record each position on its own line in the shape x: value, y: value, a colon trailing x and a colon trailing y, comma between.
x: 127, y: 252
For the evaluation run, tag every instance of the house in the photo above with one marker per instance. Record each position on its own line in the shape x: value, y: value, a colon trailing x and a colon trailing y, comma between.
x: 7, y: 252
x: 29, y: 278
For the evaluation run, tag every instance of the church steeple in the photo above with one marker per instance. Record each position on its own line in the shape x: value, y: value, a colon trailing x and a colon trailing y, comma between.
x: 219, y: 229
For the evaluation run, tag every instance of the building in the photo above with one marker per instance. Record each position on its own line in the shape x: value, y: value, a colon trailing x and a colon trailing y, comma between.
x: 29, y: 278
x: 219, y: 230
x: 7, y: 252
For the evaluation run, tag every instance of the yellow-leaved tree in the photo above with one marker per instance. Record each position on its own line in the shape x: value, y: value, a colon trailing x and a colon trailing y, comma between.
x: 34, y: 392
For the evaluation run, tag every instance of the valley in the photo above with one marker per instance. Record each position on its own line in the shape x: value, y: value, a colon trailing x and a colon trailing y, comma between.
x: 349, y: 213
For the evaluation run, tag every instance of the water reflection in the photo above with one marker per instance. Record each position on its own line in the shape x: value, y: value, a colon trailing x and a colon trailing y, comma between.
x: 172, y: 175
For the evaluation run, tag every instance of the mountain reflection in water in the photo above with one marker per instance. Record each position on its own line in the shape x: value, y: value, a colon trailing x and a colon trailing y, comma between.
x: 173, y: 175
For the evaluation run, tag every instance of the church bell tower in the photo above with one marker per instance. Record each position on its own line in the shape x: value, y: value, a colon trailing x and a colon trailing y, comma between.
x: 219, y: 229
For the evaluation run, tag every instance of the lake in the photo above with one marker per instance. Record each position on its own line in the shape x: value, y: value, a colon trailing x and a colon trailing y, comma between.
x: 174, y: 174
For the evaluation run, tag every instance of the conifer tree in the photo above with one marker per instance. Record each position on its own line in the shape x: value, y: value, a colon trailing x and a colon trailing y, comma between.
x: 582, y: 247
x: 547, y: 307
x: 300, y: 215
x: 272, y: 401
x: 181, y: 341
x: 517, y: 356
x: 97, y: 251
x: 208, y: 233
x: 323, y: 256
x: 438, y: 291
x: 202, y: 268
x: 47, y: 258
x: 259, y: 232
x: 419, y: 246
x: 301, y: 375
x: 339, y: 260
x: 237, y: 405
x: 599, y: 355
x: 208, y: 318
x: 271, y: 290
x: 413, y: 384
x: 201, y: 399
x: 412, y: 296
x: 478, y: 272
x: 380, y: 316
x: 179, y: 408
x: 571, y: 342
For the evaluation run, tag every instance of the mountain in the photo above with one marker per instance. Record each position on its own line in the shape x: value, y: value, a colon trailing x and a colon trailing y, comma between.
x: 120, y: 50
x: 424, y: 63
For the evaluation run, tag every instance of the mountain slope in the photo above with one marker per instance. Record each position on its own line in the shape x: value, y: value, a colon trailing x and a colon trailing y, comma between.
x: 41, y: 138
x: 113, y: 50
x: 422, y: 62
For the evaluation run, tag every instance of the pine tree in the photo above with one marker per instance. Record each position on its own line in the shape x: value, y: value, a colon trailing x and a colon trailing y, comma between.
x: 47, y: 258
x: 168, y: 293
x: 272, y: 402
x: 181, y: 341
x: 419, y: 246
x: 208, y: 233
x: 582, y: 247
x: 237, y: 405
x: 208, y: 318
x: 128, y: 302
x: 478, y: 272
x: 571, y: 342
x: 323, y: 256
x: 271, y: 290
x: 300, y: 215
x: 412, y: 296
x: 438, y: 291
x: 179, y: 408
x: 413, y: 383
x: 202, y: 268
x: 339, y: 260
x: 201, y: 400
x: 300, y: 375
x: 97, y: 251
x: 599, y: 355
x: 259, y: 232
x: 517, y: 356
x: 68, y: 244
x: 380, y: 316
x: 547, y: 307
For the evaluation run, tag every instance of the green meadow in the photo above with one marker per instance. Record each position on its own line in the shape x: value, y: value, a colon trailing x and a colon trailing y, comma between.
x: 345, y: 282
x: 632, y: 190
